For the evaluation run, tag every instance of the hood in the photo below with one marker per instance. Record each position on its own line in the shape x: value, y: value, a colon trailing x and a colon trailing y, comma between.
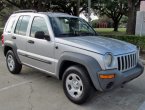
x: 99, y: 44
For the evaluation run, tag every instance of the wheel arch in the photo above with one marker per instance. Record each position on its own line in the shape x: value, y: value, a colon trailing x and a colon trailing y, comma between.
x: 65, y: 64
x: 90, y: 64
x: 9, y: 45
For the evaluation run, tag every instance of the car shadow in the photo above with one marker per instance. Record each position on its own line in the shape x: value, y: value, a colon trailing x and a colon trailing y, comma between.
x: 130, y: 97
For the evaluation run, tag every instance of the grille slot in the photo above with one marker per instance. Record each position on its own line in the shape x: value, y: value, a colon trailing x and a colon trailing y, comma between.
x: 126, y: 62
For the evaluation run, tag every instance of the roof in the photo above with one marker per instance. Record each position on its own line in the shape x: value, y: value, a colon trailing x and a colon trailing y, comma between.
x: 51, y: 14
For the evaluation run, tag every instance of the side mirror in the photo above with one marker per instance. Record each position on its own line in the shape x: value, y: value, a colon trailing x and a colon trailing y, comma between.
x: 41, y: 35
x: 47, y: 37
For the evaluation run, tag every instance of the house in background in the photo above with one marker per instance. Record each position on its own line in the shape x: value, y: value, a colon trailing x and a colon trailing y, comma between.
x: 140, y: 20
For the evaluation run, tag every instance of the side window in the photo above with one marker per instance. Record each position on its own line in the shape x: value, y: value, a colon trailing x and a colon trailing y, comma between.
x: 38, y: 24
x: 22, y: 25
x: 10, y: 24
x: 18, y: 25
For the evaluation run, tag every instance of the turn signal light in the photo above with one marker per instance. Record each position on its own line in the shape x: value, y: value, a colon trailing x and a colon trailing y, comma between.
x: 107, y: 76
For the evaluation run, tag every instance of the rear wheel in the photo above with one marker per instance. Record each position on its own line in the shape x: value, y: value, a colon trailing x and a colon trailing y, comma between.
x: 76, y: 84
x: 13, y: 65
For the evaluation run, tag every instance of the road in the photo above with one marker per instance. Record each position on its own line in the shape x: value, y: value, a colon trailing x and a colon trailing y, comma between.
x: 34, y: 90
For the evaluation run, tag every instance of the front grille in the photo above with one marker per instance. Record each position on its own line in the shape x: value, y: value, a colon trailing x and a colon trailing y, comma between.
x: 126, y: 62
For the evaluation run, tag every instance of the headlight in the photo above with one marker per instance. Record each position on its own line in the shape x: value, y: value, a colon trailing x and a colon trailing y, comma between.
x: 108, y: 58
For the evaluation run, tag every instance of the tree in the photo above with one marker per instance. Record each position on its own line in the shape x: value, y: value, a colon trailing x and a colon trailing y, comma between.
x: 72, y: 7
x: 66, y: 6
x: 133, y: 6
x: 5, y: 10
x: 38, y: 5
x: 114, y: 9
x: 2, y: 6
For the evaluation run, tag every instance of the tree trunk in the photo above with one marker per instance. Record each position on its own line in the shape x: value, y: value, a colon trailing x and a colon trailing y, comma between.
x: 78, y: 7
x: 115, y: 26
x: 131, y: 18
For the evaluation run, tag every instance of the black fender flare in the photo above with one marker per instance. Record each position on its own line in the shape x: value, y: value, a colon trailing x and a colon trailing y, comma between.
x: 14, y: 48
x: 88, y: 62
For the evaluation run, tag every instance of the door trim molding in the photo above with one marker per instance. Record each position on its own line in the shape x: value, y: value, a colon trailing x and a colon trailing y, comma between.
x: 34, y: 58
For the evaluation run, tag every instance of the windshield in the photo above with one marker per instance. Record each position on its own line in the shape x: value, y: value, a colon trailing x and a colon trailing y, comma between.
x: 69, y: 26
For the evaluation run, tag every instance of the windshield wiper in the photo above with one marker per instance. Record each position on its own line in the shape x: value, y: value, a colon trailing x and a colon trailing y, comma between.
x: 68, y: 34
x: 86, y: 33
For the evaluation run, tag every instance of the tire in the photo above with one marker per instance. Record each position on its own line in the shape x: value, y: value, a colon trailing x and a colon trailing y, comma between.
x: 12, y: 64
x: 77, y: 85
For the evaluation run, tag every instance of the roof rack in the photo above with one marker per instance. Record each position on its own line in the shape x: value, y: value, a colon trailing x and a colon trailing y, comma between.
x: 23, y: 11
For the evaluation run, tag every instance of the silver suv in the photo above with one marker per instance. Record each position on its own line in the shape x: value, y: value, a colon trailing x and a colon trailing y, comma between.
x: 69, y: 49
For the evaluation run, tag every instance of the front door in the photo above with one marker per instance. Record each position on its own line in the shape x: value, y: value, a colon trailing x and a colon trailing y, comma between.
x: 40, y: 52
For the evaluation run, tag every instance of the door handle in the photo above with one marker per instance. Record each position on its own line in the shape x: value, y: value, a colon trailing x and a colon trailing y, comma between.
x: 13, y: 37
x: 31, y: 41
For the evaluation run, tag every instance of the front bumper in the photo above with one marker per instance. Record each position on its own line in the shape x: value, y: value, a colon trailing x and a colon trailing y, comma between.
x: 120, y: 77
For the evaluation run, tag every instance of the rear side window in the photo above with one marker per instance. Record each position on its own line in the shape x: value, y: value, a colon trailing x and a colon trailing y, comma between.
x: 22, y: 25
x: 10, y: 24
x: 18, y: 25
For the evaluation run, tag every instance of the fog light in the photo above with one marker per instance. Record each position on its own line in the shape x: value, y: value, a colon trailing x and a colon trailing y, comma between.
x: 107, y: 76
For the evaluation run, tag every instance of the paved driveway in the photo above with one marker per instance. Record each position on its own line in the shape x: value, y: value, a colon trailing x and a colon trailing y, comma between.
x: 33, y: 90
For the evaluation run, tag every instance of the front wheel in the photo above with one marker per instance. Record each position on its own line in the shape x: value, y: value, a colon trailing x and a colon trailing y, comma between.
x: 76, y: 84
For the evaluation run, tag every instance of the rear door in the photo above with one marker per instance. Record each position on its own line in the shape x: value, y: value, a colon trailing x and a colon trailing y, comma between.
x: 19, y: 36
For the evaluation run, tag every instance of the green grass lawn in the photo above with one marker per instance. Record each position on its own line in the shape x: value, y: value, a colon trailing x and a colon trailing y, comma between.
x: 109, y: 31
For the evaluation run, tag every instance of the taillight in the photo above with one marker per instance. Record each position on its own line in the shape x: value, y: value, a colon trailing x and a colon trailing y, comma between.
x: 2, y: 39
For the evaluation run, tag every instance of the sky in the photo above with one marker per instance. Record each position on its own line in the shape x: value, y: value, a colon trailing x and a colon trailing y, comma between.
x: 93, y: 17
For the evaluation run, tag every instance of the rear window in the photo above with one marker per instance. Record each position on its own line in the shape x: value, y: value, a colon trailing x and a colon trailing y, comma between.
x: 10, y: 24
x: 22, y: 25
